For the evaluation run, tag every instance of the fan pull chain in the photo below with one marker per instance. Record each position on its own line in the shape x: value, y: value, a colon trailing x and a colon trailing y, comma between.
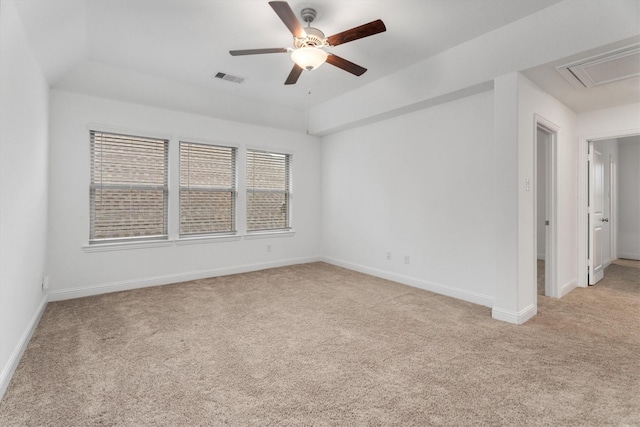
x: 308, y: 109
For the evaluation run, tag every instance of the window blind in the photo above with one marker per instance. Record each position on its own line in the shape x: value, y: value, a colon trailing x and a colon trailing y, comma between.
x: 268, y: 191
x: 207, y: 189
x: 128, y: 191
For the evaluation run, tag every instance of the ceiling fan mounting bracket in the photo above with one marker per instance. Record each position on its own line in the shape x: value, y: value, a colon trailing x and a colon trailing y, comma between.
x: 308, y: 14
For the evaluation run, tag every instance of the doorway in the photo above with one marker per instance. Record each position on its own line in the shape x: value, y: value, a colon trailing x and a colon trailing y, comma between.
x: 613, y: 235
x: 545, y: 207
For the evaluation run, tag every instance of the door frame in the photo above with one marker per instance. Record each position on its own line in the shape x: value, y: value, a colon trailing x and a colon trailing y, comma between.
x: 551, y: 234
x: 583, y: 197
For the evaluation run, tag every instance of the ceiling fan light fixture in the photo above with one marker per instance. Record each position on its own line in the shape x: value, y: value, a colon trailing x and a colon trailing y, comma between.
x: 308, y: 52
x: 309, y: 58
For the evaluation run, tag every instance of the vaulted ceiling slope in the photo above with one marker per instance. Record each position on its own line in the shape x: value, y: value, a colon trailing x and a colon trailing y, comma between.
x: 165, y: 53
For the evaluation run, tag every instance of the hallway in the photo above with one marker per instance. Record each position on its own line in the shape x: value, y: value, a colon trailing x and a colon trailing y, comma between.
x: 622, y: 275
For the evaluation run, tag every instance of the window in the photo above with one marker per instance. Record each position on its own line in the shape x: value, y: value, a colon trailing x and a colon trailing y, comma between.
x: 128, y: 193
x: 207, y: 189
x: 268, y: 191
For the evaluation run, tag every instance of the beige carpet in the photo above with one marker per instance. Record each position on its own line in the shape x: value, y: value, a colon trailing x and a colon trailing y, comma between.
x: 320, y: 345
x: 541, y: 277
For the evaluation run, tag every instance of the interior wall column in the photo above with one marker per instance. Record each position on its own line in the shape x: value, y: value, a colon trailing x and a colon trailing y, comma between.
x: 510, y: 303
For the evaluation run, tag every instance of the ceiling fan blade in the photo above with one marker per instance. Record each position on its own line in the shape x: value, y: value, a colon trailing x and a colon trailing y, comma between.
x: 258, y: 51
x: 284, y: 11
x: 345, y: 65
x: 356, y: 33
x: 293, y: 75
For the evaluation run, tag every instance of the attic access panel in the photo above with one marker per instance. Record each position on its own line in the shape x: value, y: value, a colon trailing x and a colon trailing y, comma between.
x: 606, y: 68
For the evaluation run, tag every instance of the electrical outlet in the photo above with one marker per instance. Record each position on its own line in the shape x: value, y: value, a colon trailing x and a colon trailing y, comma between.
x: 407, y: 259
x: 45, y: 283
x: 268, y: 248
x: 388, y: 256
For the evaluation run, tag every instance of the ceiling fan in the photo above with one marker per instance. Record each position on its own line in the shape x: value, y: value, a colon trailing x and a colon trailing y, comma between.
x: 310, y: 42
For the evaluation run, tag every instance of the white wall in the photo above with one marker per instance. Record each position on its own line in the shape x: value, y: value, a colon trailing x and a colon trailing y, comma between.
x: 76, y: 272
x: 23, y: 190
x: 533, y: 101
x: 454, y: 197
x: 419, y: 185
x: 609, y: 123
x: 517, y: 103
x: 629, y: 200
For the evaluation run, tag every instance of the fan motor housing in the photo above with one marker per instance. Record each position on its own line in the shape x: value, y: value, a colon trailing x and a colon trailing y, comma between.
x: 315, y: 38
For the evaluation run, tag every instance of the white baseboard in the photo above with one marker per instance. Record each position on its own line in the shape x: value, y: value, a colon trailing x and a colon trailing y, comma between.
x: 65, y: 294
x: 627, y: 255
x: 461, y: 294
x: 16, y: 355
x: 568, y: 287
x: 517, y: 318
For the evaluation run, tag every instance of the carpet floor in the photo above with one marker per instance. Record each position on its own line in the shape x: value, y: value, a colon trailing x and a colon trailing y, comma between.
x: 541, y: 277
x: 316, y: 344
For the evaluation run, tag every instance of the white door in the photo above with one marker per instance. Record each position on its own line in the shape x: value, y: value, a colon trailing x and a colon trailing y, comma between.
x: 596, y: 217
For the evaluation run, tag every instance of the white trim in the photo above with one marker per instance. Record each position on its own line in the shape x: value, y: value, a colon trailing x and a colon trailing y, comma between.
x: 127, y: 285
x: 551, y: 238
x: 449, y: 291
x: 212, y: 142
x: 207, y: 239
x: 583, y: 212
x: 269, y: 149
x: 517, y: 318
x: 567, y: 287
x: 251, y: 235
x: 104, y: 247
x: 626, y: 255
x: 613, y: 208
x: 14, y: 360
x: 121, y: 130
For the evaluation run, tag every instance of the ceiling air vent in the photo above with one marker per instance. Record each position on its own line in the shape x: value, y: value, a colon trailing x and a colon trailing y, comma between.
x: 609, y: 67
x: 229, y: 78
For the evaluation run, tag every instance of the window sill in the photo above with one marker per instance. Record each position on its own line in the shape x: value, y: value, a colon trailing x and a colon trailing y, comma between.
x: 104, y: 247
x: 120, y: 246
x: 206, y: 239
x: 269, y: 234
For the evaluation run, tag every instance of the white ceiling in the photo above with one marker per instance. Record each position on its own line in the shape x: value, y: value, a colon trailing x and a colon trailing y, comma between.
x: 581, y: 100
x: 166, y: 52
